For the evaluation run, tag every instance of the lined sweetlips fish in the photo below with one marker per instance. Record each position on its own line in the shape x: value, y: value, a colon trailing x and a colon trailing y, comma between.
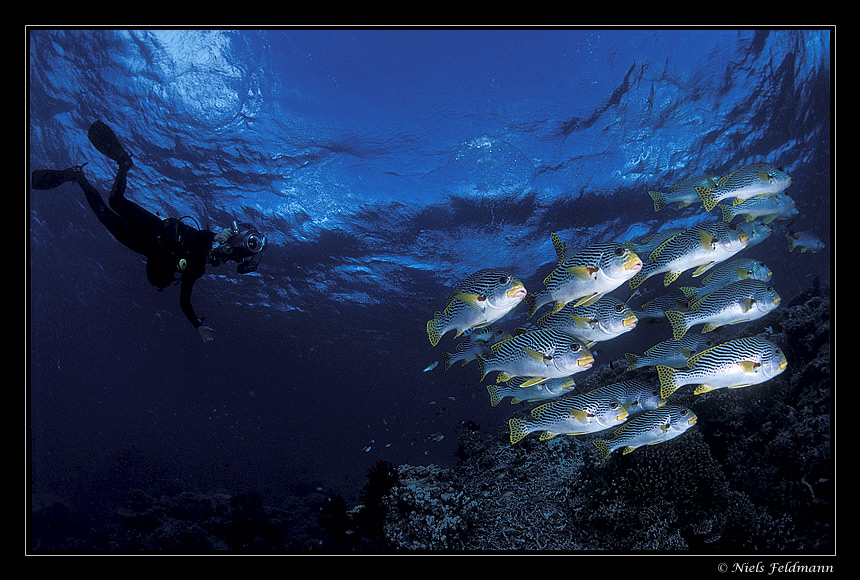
x: 605, y: 319
x: 737, y: 302
x: 726, y: 273
x: 734, y: 364
x: 576, y: 414
x: 650, y: 428
x: 548, y: 389
x: 480, y: 300
x: 586, y: 275
x: 767, y: 207
x: 684, y: 192
x: 538, y: 354
x: 475, y: 342
x: 749, y: 181
x: 670, y: 353
x: 697, y: 248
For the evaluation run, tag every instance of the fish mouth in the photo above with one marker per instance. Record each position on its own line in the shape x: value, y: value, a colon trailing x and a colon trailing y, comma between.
x: 586, y: 361
x: 744, y: 238
x: 518, y: 291
x: 634, y: 263
x: 630, y: 321
x: 692, y: 420
x: 783, y: 363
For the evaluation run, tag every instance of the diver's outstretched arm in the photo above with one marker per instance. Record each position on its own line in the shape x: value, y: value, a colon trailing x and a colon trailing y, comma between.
x: 185, y: 304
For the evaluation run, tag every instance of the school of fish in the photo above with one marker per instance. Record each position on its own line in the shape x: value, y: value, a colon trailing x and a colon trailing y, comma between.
x: 537, y: 360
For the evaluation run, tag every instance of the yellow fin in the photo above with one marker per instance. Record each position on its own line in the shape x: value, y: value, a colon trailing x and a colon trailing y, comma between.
x: 433, y: 329
x: 582, y: 272
x: 588, y: 300
x: 495, y: 398
x: 473, y: 300
x: 702, y: 269
x: 678, y: 323
x: 670, y: 277
x: 536, y: 356
x: 533, y: 381
x: 579, y: 415
x: 581, y: 321
x: 706, y: 239
x: 668, y: 385
x: 707, y: 196
x: 559, y: 247
x: 659, y: 200
x: 517, y: 429
x: 749, y: 366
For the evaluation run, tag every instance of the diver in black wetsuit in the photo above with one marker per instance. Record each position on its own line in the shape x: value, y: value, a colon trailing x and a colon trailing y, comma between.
x: 175, y: 251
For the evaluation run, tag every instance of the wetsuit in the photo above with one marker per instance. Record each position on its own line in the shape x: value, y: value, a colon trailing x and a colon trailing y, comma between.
x: 175, y: 251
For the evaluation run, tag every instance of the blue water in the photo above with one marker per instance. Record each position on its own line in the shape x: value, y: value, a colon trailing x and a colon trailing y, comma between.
x: 382, y: 166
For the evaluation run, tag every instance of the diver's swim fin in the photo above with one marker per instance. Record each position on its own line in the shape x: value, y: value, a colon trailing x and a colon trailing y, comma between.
x: 51, y: 178
x: 103, y: 138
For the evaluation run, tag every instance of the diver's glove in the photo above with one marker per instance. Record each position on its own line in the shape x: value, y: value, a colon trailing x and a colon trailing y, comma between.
x: 205, y: 333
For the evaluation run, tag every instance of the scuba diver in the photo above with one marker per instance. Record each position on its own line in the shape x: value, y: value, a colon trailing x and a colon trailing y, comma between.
x: 175, y: 252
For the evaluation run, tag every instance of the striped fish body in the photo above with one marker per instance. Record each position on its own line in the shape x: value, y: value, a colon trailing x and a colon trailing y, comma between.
x: 733, y: 364
x: 538, y: 354
x: 749, y: 181
x: 683, y: 193
x: 603, y: 320
x: 651, y: 242
x: 650, y: 428
x: 766, y: 207
x: 570, y: 415
x: 655, y: 309
x: 670, y: 353
x: 586, y: 275
x: 634, y: 395
x: 474, y: 344
x: 737, y: 302
x: 548, y: 389
x: 724, y: 274
x: 476, y: 302
x: 697, y: 248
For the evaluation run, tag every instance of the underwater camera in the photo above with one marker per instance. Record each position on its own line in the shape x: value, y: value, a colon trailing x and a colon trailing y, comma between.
x: 247, y: 246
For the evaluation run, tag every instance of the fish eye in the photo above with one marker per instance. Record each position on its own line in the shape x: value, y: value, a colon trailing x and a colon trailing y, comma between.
x: 683, y: 412
x: 619, y: 308
x: 613, y: 405
x: 655, y: 392
x: 619, y: 251
x: 733, y: 227
x: 503, y: 280
x: 575, y: 347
